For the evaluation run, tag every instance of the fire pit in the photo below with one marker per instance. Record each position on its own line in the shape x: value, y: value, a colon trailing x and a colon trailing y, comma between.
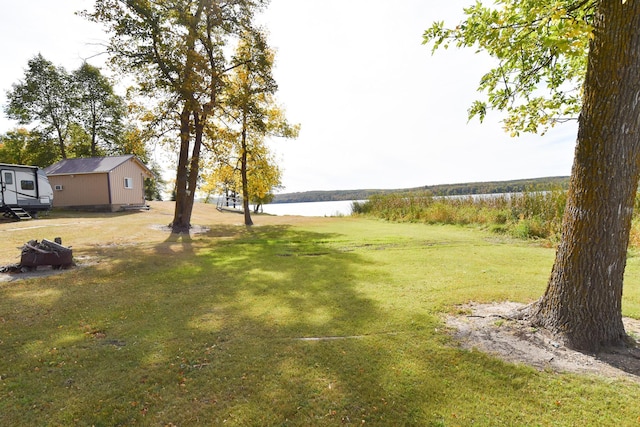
x: 46, y: 252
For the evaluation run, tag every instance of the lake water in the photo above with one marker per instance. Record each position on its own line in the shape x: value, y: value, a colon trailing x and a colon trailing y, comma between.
x: 340, y: 208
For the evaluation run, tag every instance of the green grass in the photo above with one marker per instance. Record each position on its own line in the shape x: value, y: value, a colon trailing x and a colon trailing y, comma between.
x: 291, y: 323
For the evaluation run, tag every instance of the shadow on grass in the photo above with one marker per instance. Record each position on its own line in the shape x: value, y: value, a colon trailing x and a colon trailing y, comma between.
x: 262, y: 326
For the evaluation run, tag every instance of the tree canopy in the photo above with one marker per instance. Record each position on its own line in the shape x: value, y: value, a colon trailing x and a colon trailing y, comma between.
x: 45, y: 96
x: 250, y: 100
x: 540, y: 48
x: 23, y: 147
x: 79, y: 110
x: 176, y: 51
x: 101, y: 111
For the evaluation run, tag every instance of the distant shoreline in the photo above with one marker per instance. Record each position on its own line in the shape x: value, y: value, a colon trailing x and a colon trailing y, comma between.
x: 490, y: 187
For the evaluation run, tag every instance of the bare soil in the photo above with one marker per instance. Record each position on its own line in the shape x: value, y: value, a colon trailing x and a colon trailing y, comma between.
x: 42, y: 271
x: 492, y: 328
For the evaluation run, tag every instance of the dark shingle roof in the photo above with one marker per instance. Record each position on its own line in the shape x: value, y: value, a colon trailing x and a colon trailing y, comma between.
x: 89, y: 165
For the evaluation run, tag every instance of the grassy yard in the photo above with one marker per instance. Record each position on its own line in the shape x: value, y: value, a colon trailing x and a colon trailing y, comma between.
x: 294, y: 322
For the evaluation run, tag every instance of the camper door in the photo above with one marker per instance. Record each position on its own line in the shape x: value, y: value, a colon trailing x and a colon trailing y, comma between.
x: 9, y: 190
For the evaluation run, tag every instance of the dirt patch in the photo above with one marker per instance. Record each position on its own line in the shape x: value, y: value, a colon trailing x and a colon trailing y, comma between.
x: 42, y: 271
x: 195, y: 229
x: 13, y: 272
x: 491, y: 328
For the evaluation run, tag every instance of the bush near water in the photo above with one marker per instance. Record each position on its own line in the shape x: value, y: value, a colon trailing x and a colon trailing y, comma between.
x: 528, y: 214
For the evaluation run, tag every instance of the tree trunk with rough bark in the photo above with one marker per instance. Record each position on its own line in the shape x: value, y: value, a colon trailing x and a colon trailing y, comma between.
x: 200, y: 121
x: 181, y: 215
x: 582, y: 303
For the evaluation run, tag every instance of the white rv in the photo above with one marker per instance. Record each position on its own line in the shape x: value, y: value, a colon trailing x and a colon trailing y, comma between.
x: 24, y: 191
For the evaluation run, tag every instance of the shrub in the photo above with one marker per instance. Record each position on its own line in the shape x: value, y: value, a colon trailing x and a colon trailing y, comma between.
x: 361, y: 207
x: 529, y: 214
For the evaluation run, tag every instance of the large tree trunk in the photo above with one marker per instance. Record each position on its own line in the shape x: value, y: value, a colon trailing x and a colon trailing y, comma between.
x: 194, y: 168
x: 582, y: 303
x: 185, y: 176
x: 188, y: 169
x: 182, y: 212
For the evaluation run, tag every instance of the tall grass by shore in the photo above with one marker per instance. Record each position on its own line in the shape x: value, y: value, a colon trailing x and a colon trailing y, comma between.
x: 530, y: 214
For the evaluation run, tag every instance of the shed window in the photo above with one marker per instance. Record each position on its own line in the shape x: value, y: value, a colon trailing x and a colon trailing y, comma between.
x: 128, y: 183
x: 27, y: 185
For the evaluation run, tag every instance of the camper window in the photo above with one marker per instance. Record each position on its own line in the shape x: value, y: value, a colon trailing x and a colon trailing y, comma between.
x: 8, y: 178
x: 27, y: 185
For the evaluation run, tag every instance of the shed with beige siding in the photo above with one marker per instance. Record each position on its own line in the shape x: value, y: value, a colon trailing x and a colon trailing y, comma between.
x: 99, y: 183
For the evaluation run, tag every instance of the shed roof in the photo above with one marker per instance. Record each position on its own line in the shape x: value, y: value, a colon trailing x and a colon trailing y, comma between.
x: 87, y: 165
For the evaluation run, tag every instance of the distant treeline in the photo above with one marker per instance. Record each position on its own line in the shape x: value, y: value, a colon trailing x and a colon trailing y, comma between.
x: 492, y: 187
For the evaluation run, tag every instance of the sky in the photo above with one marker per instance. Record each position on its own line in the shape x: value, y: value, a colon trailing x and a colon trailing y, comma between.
x: 377, y: 110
